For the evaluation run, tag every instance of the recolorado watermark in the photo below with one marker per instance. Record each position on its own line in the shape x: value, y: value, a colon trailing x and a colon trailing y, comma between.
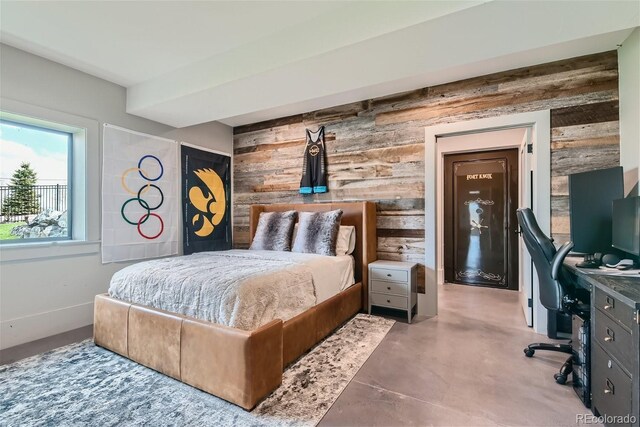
x: 605, y: 419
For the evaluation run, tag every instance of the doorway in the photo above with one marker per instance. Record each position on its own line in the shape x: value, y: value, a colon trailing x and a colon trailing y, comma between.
x: 480, y: 225
x: 447, y: 138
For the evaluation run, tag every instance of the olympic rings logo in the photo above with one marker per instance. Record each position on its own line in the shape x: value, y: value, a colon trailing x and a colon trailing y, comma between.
x: 142, y: 202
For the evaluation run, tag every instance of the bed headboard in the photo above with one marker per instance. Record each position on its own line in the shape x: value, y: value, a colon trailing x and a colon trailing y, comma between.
x: 362, y: 215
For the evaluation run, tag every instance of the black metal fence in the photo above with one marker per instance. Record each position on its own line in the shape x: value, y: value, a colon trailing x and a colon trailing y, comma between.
x: 45, y: 197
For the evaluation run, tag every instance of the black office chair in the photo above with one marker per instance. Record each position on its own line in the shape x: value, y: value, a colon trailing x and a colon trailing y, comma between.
x: 556, y: 293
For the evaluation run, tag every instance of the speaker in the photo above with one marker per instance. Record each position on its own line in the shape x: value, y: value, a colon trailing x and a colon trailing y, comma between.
x: 610, y: 259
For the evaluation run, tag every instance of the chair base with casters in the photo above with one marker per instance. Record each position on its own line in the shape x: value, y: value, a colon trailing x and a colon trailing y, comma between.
x: 571, y: 306
x: 567, y: 367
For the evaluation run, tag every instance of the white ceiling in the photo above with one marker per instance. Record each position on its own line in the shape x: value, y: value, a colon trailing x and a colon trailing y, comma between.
x: 130, y: 42
x: 239, y: 62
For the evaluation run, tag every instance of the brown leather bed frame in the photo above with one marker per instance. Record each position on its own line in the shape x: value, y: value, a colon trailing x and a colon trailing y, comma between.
x: 240, y: 366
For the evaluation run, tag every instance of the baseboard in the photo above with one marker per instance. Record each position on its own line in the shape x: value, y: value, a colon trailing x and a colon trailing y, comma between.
x: 22, y: 351
x: 30, y: 328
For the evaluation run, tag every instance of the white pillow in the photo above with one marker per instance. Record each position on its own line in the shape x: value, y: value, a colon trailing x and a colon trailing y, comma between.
x: 346, y: 242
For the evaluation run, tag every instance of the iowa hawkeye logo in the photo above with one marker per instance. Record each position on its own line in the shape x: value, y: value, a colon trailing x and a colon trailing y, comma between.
x: 212, y: 206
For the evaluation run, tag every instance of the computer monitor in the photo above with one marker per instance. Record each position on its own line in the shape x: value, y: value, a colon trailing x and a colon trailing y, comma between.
x: 626, y: 225
x: 591, y: 196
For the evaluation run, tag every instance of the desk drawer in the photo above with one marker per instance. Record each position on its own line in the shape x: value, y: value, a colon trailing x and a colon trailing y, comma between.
x: 614, y: 308
x: 388, y: 274
x: 611, y: 388
x: 614, y: 339
x: 392, y: 288
x: 392, y: 301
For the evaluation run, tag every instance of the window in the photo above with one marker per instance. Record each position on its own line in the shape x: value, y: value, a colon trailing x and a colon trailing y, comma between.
x: 83, y: 182
x: 35, y: 184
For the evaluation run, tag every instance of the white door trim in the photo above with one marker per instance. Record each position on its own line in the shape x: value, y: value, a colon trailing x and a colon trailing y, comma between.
x: 540, y: 123
x: 525, y: 265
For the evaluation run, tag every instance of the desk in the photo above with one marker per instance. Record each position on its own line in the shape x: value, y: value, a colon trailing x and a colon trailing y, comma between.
x: 615, y: 342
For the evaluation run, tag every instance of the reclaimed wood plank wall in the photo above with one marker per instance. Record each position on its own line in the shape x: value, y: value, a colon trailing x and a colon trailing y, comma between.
x: 376, y: 147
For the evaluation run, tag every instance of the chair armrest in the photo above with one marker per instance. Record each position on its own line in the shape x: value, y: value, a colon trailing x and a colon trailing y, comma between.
x: 558, y: 258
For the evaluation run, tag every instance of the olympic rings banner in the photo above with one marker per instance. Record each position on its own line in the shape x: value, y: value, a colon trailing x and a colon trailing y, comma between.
x: 206, y: 200
x: 140, y: 196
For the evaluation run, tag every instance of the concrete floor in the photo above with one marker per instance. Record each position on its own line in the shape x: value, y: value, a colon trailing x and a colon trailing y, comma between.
x: 22, y: 351
x: 464, y: 367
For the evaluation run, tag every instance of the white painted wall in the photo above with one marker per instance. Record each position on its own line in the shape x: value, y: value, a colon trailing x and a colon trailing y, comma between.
x: 46, y: 296
x: 629, y: 88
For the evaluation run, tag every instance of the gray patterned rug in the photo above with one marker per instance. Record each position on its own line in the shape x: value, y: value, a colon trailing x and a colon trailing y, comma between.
x: 82, y: 384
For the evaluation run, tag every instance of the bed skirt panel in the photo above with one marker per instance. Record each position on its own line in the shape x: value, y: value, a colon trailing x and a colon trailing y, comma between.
x: 111, y: 324
x: 239, y: 366
x: 335, y: 311
x: 299, y: 335
x: 242, y: 367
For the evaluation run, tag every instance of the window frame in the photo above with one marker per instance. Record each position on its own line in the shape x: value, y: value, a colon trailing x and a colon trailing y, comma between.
x: 69, y: 196
x: 85, y: 196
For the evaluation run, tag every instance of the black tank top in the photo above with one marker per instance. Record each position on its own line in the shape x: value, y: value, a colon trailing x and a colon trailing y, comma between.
x: 314, y: 173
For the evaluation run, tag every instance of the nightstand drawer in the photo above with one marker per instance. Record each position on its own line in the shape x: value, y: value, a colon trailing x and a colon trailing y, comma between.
x: 389, y: 288
x: 392, y: 301
x: 388, y: 274
x: 614, y: 339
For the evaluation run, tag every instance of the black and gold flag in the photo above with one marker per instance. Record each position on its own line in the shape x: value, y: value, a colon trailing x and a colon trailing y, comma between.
x: 206, y: 197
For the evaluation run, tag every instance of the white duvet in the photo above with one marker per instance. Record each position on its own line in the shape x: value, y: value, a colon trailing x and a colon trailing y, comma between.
x: 331, y: 274
x: 238, y: 288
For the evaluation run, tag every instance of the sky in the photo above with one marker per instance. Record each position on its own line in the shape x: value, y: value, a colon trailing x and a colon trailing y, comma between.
x: 47, y: 152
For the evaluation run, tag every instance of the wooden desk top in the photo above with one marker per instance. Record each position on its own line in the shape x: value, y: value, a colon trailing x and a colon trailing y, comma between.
x: 626, y: 286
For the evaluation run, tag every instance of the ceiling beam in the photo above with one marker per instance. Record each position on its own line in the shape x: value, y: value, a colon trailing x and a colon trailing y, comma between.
x: 274, y: 78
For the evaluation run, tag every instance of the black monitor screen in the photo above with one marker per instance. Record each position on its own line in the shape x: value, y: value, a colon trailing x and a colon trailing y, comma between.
x: 626, y: 225
x: 591, y: 196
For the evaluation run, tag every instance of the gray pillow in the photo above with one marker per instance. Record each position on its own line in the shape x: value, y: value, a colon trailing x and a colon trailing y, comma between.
x: 318, y: 232
x: 274, y: 231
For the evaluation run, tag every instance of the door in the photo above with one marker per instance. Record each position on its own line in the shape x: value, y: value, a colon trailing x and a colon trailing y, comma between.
x: 525, y: 200
x: 481, y: 197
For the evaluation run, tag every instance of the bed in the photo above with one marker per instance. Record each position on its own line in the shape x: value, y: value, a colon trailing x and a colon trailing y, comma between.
x: 239, y: 364
x: 241, y: 288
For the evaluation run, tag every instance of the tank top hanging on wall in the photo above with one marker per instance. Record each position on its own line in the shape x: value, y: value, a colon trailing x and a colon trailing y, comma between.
x: 314, y: 169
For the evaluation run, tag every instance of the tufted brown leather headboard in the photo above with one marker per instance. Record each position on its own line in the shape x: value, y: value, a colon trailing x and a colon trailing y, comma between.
x: 362, y: 215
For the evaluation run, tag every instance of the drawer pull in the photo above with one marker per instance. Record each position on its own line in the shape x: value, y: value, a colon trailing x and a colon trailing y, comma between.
x: 610, y: 335
x: 388, y: 288
x: 389, y: 301
x: 608, y: 307
x: 388, y: 274
x: 610, y: 387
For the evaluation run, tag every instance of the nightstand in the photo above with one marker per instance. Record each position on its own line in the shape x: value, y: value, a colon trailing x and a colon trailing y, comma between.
x: 393, y: 284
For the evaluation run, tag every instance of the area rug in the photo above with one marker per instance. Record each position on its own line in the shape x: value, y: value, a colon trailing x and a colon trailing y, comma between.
x: 82, y: 384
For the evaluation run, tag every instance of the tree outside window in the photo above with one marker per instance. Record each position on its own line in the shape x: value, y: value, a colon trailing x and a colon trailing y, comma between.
x: 22, y: 199
x: 34, y: 182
